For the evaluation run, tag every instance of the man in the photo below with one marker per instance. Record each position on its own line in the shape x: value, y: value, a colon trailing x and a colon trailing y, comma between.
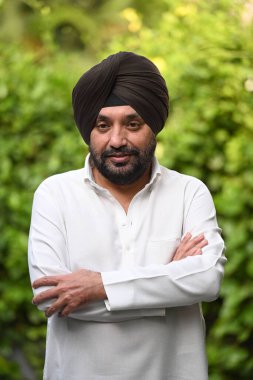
x: 122, y: 252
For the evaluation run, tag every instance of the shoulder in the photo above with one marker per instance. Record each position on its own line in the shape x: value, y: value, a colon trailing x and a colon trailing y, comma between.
x: 182, y: 180
x: 185, y: 187
x: 59, y: 181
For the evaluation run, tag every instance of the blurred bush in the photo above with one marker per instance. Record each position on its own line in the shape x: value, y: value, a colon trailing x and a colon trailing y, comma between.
x: 205, y: 52
x: 37, y: 138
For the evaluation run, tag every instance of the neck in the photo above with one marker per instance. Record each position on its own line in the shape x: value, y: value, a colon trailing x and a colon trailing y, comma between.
x: 123, y: 193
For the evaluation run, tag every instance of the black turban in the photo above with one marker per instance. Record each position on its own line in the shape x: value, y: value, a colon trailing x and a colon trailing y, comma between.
x: 132, y: 78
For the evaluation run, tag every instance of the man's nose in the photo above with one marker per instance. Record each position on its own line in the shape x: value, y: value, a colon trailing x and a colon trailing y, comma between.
x: 117, y: 136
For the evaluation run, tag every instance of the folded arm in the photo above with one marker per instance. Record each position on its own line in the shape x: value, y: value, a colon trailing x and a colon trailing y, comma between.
x: 185, y: 282
x: 49, y: 264
x: 133, y: 293
x: 70, y: 292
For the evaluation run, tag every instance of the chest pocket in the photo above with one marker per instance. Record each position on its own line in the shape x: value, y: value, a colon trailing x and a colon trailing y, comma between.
x: 160, y: 251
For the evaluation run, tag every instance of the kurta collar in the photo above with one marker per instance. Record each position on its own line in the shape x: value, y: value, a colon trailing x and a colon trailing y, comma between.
x: 88, y: 175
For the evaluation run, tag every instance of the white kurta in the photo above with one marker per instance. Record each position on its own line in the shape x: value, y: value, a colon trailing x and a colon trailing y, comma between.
x: 151, y: 327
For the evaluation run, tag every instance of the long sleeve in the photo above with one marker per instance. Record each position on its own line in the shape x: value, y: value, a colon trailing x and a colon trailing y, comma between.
x: 185, y: 282
x: 48, y: 255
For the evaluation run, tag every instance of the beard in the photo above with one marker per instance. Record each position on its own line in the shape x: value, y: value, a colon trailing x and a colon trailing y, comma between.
x: 124, y: 173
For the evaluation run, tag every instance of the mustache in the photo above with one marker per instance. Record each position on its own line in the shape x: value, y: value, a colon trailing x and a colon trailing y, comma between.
x: 119, y: 151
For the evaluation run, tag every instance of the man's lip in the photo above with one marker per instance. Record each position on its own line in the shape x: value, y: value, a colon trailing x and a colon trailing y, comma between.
x: 119, y: 154
x: 119, y: 157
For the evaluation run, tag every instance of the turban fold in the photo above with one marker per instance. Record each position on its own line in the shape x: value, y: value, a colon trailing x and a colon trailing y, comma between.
x: 132, y: 78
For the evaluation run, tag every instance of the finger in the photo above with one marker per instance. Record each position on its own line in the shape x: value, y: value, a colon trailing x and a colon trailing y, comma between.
x: 197, y: 252
x: 194, y: 242
x: 189, y: 241
x: 65, y: 312
x: 198, y: 238
x: 67, y: 309
x: 55, y: 307
x: 44, y: 296
x: 182, y: 253
x: 202, y: 244
x: 186, y: 238
x: 46, y: 281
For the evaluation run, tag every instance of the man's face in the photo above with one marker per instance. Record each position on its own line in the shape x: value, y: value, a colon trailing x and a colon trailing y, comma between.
x: 122, y: 145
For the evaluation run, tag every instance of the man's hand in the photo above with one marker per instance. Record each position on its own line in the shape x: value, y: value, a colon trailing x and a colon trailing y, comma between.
x: 73, y: 290
x: 70, y: 291
x: 190, y: 246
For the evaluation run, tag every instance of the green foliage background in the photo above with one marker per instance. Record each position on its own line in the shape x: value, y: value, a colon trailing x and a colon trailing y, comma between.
x: 205, y: 52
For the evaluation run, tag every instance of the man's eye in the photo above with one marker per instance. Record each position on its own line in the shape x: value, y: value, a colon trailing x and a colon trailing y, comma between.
x: 134, y: 125
x: 102, y: 126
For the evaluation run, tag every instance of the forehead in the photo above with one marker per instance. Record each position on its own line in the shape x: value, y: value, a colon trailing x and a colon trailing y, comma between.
x: 117, y: 111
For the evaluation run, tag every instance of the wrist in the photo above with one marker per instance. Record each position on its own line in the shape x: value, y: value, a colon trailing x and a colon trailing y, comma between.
x: 100, y: 290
